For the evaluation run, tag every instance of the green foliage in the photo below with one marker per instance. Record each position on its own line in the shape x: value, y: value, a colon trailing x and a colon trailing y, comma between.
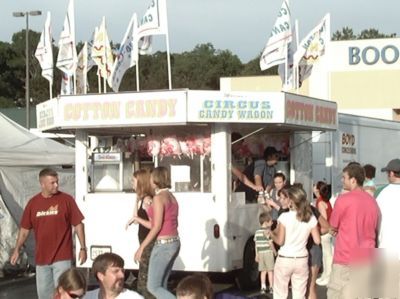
x: 347, y: 34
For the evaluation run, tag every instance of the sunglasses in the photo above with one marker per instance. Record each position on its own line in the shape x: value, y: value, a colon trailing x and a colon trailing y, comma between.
x: 72, y: 295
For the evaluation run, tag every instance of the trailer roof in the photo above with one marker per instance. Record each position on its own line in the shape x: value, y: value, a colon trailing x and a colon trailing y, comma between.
x: 186, y: 107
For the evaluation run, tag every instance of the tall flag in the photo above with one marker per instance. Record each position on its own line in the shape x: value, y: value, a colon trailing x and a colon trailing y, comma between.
x: 81, y: 70
x: 102, y: 52
x: 275, y: 51
x: 154, y: 22
x: 313, y: 46
x: 90, y: 61
x: 127, y: 54
x: 67, y: 57
x: 66, y: 84
x: 288, y: 80
x: 44, y: 51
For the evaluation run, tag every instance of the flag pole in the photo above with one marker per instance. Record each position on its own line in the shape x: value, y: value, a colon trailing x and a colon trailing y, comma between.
x: 137, y: 74
x: 51, y: 89
x: 98, y: 79
x: 168, y: 54
x: 296, y: 67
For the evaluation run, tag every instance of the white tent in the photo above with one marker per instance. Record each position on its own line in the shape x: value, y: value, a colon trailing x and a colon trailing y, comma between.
x: 22, y: 156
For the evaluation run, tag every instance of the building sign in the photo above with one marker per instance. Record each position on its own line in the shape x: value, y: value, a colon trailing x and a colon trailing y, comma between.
x: 370, y: 55
x: 310, y: 112
x: 123, y: 109
x: 249, y: 107
x: 46, y: 114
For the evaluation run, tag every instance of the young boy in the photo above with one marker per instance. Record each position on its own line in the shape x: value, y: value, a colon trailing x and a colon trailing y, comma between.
x: 265, y: 251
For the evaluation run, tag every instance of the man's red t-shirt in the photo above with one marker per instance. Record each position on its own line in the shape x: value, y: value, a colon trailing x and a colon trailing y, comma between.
x: 51, y: 220
x: 355, y: 215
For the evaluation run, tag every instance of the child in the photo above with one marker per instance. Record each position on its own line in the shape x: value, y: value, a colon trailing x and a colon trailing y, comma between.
x: 279, y: 183
x: 369, y: 183
x: 196, y: 286
x: 265, y: 251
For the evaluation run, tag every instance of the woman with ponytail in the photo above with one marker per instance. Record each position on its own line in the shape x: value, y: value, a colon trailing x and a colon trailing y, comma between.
x: 294, y: 228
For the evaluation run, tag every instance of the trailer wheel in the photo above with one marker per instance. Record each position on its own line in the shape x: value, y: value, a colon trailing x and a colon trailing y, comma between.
x: 248, y: 276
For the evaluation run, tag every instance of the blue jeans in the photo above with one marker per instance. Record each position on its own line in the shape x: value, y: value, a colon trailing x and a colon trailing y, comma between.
x: 47, y: 278
x: 162, y: 259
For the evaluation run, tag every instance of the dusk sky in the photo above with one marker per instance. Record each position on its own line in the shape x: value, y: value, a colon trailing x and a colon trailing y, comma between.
x: 243, y: 27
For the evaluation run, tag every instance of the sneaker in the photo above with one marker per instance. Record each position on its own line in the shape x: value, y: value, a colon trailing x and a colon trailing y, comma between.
x: 271, y: 290
x: 263, y: 291
x: 322, y: 281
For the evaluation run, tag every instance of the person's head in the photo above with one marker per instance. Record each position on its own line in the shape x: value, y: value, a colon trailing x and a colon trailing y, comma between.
x: 160, y: 178
x: 369, y: 171
x: 141, y: 183
x: 393, y: 170
x: 265, y: 219
x: 271, y: 155
x: 71, y: 284
x: 108, y: 269
x: 353, y: 176
x: 284, y: 198
x: 321, y: 189
x: 196, y: 286
x: 279, y: 180
x: 298, y: 202
x: 48, y: 179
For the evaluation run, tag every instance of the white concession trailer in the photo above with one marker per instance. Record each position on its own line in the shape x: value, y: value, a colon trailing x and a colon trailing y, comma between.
x: 189, y: 132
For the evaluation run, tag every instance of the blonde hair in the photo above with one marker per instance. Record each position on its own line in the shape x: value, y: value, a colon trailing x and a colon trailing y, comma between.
x: 299, y: 198
x: 160, y: 176
x: 143, y: 187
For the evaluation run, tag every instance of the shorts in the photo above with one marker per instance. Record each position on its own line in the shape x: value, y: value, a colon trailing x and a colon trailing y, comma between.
x: 266, y: 261
x: 315, y: 256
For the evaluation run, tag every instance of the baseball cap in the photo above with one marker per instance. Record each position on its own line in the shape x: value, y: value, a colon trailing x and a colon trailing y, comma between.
x: 393, y: 165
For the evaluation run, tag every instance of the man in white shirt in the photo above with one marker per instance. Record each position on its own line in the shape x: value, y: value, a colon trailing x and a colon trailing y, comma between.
x: 388, y: 200
x: 108, y: 268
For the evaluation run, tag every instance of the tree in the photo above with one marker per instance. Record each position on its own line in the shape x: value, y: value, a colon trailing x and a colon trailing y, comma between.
x: 345, y: 34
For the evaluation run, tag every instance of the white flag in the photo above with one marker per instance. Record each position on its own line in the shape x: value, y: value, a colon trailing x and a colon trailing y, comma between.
x: 102, y: 53
x: 275, y: 50
x: 81, y: 70
x: 313, y: 46
x: 67, y: 56
x: 90, y: 61
x: 154, y: 21
x: 127, y: 54
x: 44, y: 51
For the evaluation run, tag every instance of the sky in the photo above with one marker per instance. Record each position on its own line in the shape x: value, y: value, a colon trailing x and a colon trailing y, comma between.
x: 241, y: 26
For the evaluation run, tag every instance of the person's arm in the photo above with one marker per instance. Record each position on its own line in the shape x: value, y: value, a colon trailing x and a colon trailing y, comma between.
x: 272, y: 204
x: 22, y: 236
x: 316, y: 235
x: 80, y: 232
x: 245, y: 180
x: 158, y: 209
x: 278, y: 235
x: 324, y: 224
x: 141, y: 221
x: 273, y: 248
x: 322, y: 207
x: 135, y: 209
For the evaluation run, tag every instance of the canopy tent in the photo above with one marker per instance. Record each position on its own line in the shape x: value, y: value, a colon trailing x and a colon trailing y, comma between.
x: 22, y: 156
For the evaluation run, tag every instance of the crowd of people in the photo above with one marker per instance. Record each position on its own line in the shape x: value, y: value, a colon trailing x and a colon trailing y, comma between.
x: 296, y: 239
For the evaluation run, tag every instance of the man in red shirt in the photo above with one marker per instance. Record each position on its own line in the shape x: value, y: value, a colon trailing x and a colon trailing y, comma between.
x: 355, y: 219
x: 51, y: 214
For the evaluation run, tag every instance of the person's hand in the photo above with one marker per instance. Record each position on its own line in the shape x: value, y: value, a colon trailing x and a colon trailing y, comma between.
x: 257, y: 259
x: 258, y: 188
x: 82, y: 256
x: 269, y: 202
x: 138, y: 255
x: 14, y: 257
x: 333, y: 231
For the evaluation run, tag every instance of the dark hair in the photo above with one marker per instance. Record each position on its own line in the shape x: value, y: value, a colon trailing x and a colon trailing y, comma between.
x: 47, y: 172
x: 72, y: 280
x: 197, y: 286
x: 105, y: 260
x: 143, y: 187
x: 324, y: 190
x: 160, y: 177
x: 265, y: 217
x: 280, y: 175
x: 369, y: 171
x: 299, y: 198
x: 235, y: 136
x: 355, y: 170
x: 269, y: 152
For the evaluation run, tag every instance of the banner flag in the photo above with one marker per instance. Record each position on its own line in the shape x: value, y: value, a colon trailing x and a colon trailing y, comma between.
x: 67, y: 57
x: 44, y: 51
x: 275, y: 51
